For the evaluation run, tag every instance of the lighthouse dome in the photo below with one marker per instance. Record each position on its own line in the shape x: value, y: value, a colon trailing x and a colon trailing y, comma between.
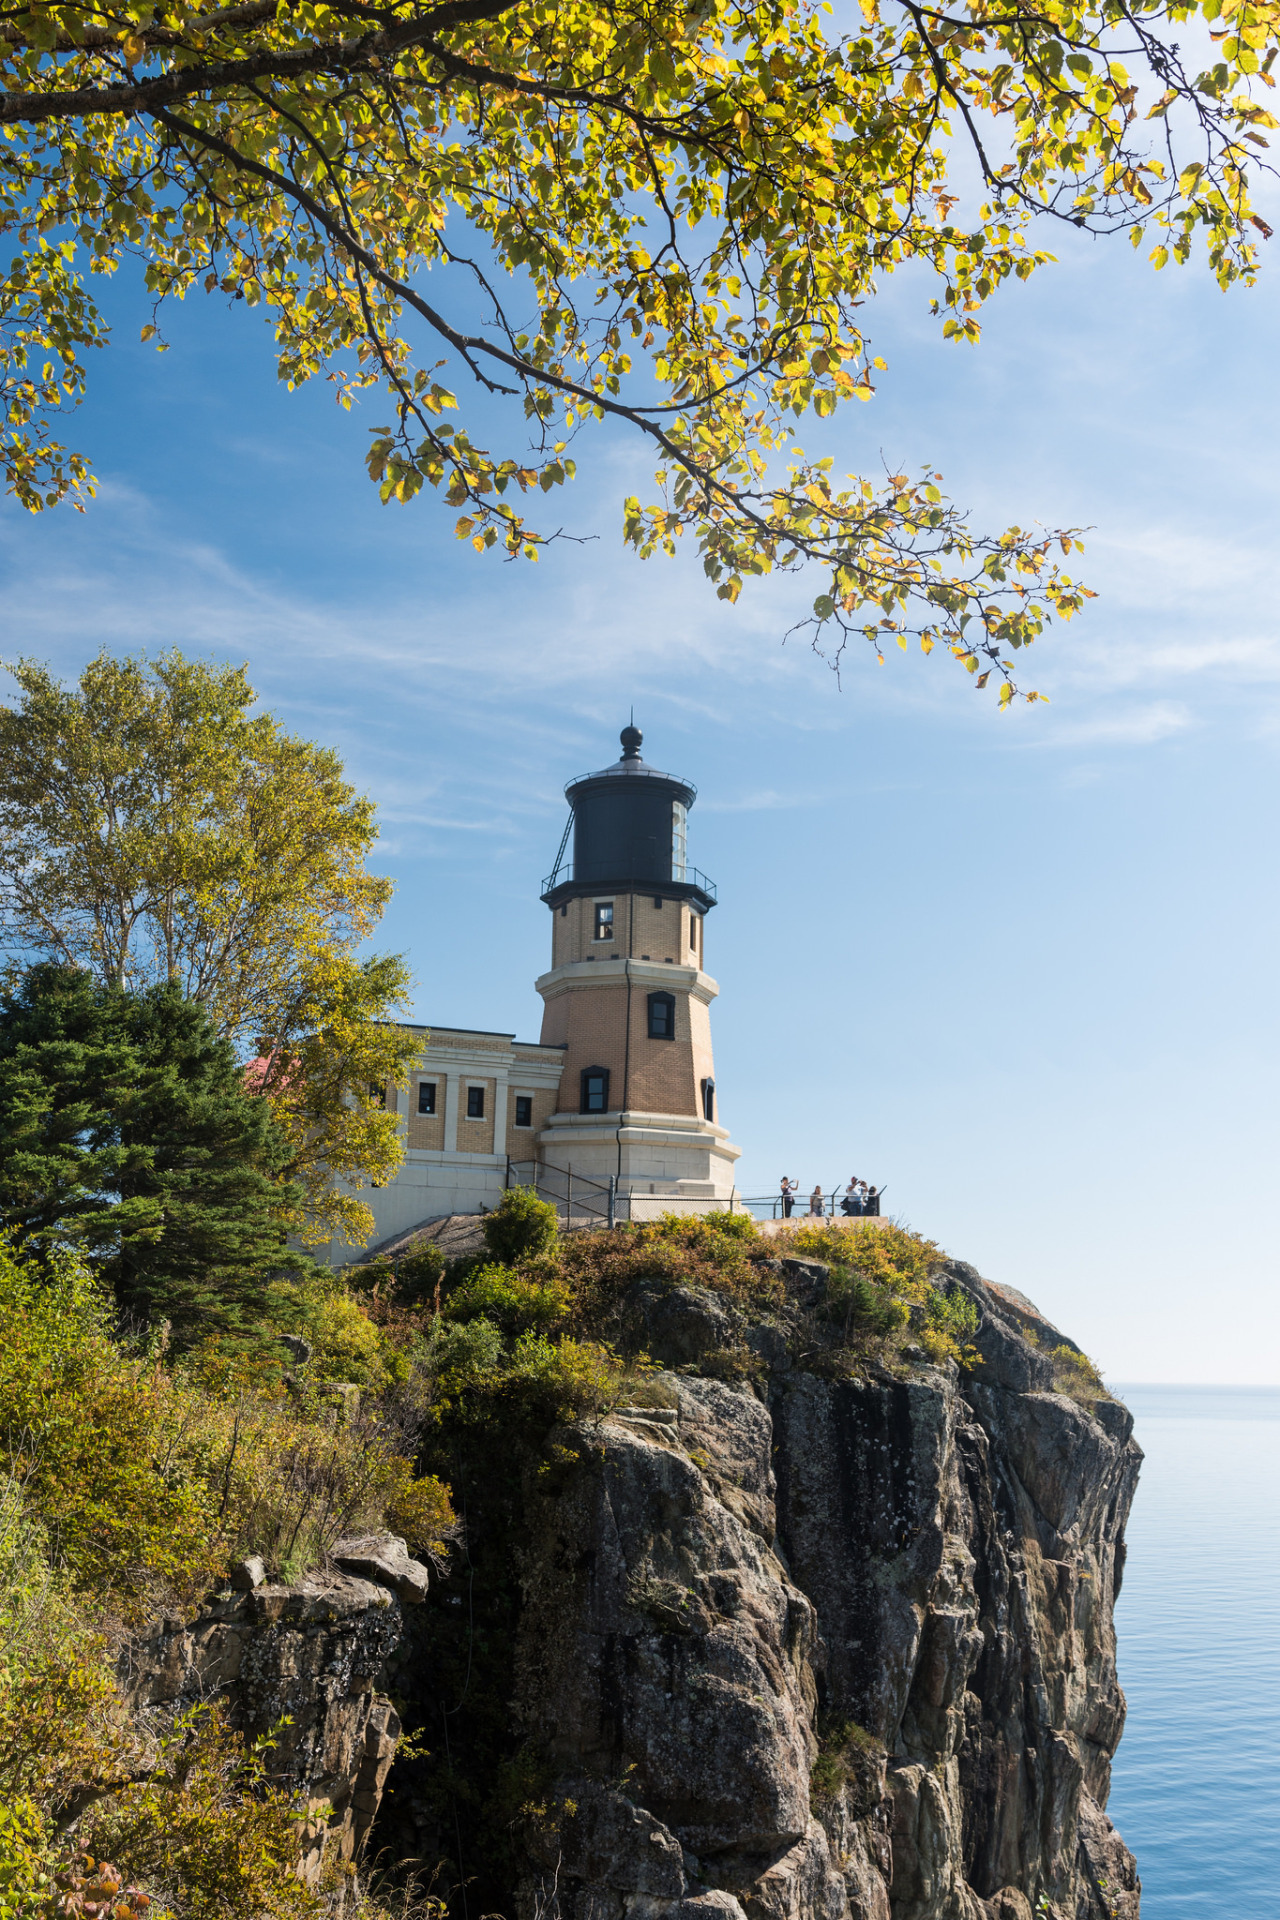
x: 629, y: 826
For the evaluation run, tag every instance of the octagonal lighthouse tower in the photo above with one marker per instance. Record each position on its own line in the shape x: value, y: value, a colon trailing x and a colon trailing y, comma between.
x: 628, y: 996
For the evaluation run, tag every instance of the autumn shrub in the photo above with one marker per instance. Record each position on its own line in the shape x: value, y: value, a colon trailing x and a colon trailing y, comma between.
x: 565, y: 1379
x: 521, y: 1227
x: 721, y: 1252
x: 1075, y: 1374
x: 97, y: 1890
x: 77, y: 1419
x: 510, y: 1300
x: 412, y: 1276
x: 28, y: 1861
x: 951, y: 1320
x: 345, y: 1342
x: 287, y: 1482
x: 144, y: 1480
x: 890, y: 1257
x: 205, y: 1829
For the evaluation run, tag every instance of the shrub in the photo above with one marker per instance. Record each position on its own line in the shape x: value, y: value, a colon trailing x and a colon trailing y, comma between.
x: 521, y: 1227
x: 286, y: 1485
x: 1074, y: 1373
x: 27, y: 1861
x: 719, y: 1251
x: 890, y: 1256
x: 848, y: 1761
x: 77, y: 1419
x: 95, y: 1888
x: 418, y: 1272
x: 206, y: 1830
x: 460, y: 1354
x: 567, y: 1378
x: 951, y: 1320
x: 345, y: 1343
x: 511, y: 1301
x: 138, y: 1477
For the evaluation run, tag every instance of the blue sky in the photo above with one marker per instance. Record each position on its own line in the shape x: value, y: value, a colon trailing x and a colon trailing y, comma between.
x: 1021, y: 968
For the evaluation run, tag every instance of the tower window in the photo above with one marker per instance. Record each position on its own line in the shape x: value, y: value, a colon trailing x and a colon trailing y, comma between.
x: 475, y: 1103
x: 426, y: 1096
x: 662, y: 1016
x: 679, y: 839
x: 604, y: 920
x: 524, y: 1109
x: 657, y: 901
x: 564, y: 909
x: 708, y: 1099
x: 595, y: 1090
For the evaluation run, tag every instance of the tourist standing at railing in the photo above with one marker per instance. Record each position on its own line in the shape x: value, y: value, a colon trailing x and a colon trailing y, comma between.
x: 815, y: 1200
x: 852, y: 1202
x: 872, y: 1202
x: 789, y: 1188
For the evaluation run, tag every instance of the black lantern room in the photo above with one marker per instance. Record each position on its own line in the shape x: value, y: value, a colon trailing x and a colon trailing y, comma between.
x: 629, y: 826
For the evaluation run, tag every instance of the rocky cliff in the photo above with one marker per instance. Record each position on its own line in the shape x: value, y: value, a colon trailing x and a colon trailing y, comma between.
x: 303, y: 1665
x: 808, y: 1636
x: 798, y: 1645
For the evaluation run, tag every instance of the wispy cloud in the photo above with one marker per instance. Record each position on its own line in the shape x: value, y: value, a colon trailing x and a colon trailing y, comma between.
x: 1135, y: 727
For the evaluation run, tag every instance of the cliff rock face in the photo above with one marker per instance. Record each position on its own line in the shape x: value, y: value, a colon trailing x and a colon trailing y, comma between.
x: 312, y: 1654
x: 838, y: 1649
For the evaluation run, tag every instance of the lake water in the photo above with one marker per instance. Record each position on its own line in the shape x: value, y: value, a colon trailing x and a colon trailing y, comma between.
x: 1196, y: 1788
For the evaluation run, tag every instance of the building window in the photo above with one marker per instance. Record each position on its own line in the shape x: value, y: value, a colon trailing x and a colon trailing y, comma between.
x: 595, y: 1090
x: 377, y: 1094
x: 426, y: 1096
x: 679, y: 839
x: 662, y: 1016
x: 708, y: 1099
x: 475, y: 1103
x: 524, y: 1109
x: 604, y: 920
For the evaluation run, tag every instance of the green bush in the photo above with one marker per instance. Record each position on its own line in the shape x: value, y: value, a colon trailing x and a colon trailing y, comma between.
x: 345, y: 1343
x: 78, y: 1419
x: 521, y: 1227
x: 951, y: 1320
x: 206, y: 1830
x: 27, y: 1861
x: 511, y: 1301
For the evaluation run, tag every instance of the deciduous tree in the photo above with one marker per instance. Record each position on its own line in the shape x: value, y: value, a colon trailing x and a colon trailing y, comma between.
x: 153, y: 829
x: 671, y: 213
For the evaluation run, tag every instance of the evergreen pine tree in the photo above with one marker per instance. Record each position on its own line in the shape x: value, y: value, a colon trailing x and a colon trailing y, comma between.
x: 126, y: 1130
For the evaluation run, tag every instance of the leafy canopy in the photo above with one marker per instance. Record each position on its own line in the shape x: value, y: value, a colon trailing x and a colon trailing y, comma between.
x: 153, y: 829
x: 667, y: 212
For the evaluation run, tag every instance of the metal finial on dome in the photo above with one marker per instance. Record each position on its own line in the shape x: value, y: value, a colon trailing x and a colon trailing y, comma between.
x: 632, y: 739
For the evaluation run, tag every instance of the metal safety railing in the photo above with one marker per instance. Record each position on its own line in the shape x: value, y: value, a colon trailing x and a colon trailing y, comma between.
x: 574, y: 1195
x: 580, y: 1199
x: 830, y: 1204
x: 688, y: 876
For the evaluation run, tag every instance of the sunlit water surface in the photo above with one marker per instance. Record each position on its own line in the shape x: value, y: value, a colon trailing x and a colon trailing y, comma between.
x: 1196, y: 1789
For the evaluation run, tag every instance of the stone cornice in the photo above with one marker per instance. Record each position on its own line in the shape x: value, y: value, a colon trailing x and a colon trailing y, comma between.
x: 648, y: 974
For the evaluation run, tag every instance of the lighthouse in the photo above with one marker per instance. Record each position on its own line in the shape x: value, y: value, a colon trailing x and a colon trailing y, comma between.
x: 627, y: 996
